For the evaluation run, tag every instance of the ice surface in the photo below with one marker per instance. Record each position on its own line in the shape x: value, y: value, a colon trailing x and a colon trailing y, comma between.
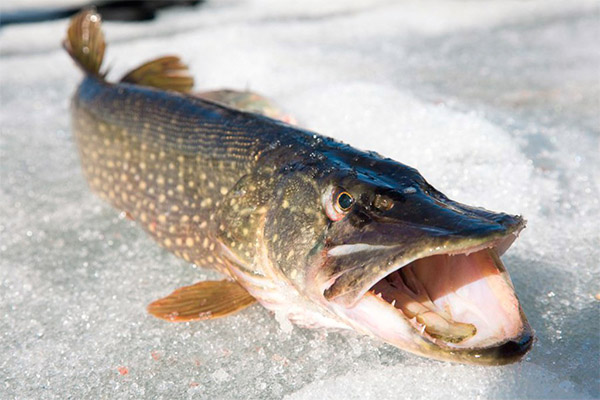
x: 496, y: 103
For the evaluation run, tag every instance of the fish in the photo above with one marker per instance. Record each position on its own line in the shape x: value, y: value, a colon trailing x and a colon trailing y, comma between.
x: 315, y: 230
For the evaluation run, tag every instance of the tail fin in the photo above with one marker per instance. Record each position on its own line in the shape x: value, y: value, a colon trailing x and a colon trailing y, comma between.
x: 85, y: 41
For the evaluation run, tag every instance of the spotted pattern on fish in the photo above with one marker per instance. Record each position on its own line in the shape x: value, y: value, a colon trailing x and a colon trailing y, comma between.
x: 166, y: 167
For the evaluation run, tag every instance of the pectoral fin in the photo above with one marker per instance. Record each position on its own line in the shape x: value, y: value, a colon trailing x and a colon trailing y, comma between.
x: 204, y: 300
x: 167, y: 73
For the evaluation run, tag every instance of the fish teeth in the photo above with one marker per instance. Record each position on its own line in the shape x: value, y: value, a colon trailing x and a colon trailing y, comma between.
x: 394, y: 303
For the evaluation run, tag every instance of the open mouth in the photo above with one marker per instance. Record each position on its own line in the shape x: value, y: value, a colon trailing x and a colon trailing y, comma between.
x: 458, y: 304
x: 455, y: 300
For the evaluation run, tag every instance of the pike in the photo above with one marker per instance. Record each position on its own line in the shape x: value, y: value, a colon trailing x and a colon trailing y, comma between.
x: 313, y: 229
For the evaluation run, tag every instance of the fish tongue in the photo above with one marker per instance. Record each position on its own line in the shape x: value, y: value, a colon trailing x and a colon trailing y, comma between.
x: 437, y: 323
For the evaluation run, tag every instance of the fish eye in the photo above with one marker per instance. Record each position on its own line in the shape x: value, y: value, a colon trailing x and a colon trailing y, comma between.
x: 344, y: 201
x: 337, y: 202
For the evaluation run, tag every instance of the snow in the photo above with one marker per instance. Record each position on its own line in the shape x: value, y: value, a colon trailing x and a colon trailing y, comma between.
x: 497, y: 104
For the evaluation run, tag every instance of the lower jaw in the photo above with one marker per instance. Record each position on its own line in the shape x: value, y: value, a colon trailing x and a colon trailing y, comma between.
x: 375, y: 316
x: 387, y: 325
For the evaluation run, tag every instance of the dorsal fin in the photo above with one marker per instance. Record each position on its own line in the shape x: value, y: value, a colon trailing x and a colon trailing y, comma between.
x: 167, y: 73
x: 245, y: 100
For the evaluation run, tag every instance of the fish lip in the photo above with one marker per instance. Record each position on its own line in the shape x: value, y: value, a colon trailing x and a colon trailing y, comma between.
x: 498, y: 240
x: 506, y: 353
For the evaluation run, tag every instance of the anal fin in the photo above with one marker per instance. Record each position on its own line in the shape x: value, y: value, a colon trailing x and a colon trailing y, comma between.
x: 167, y: 73
x: 201, y: 301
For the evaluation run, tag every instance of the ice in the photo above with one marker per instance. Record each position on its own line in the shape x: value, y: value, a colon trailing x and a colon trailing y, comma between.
x: 496, y: 103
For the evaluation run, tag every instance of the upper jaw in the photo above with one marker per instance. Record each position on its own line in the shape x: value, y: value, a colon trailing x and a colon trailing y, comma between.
x: 349, y: 285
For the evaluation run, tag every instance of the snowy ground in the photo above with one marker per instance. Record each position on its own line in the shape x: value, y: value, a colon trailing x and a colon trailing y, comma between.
x: 496, y: 103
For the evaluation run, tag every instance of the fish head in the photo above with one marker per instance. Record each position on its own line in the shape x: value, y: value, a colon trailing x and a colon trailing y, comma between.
x: 370, y: 241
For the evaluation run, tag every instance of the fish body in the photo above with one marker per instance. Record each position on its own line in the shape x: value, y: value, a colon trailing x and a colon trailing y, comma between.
x: 315, y: 230
x: 199, y: 177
